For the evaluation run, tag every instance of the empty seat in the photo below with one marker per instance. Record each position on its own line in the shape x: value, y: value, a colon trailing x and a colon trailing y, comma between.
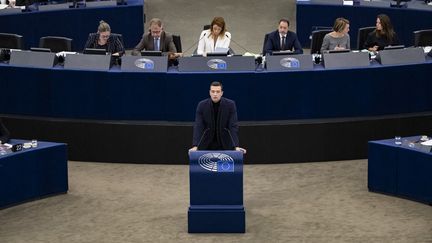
x: 177, y: 42
x: 264, y: 44
x: 423, y: 37
x: 11, y: 41
x: 317, y: 40
x: 362, y: 35
x: 56, y: 43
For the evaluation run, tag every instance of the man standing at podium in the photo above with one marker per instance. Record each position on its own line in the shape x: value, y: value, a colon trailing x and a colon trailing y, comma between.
x: 216, y: 125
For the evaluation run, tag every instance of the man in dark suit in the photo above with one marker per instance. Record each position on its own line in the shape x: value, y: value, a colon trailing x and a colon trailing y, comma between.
x: 155, y: 40
x: 216, y: 125
x: 282, y: 39
x: 4, y: 133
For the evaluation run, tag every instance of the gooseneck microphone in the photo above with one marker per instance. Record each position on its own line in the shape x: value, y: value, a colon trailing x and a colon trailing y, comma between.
x: 258, y: 60
x: 202, y: 136
x: 194, y: 44
x: 235, y: 42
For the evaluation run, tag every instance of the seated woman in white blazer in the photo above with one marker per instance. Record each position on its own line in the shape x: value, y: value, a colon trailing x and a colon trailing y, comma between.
x: 215, y: 37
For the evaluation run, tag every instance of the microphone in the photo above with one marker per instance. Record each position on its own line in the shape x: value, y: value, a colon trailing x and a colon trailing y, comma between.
x: 258, y: 60
x: 194, y: 44
x: 235, y: 42
x: 233, y: 143
x: 202, y: 136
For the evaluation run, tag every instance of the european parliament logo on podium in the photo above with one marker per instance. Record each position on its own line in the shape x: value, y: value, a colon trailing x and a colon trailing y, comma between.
x: 216, y: 162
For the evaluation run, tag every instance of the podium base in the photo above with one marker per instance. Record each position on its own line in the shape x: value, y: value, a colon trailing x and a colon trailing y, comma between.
x: 216, y: 219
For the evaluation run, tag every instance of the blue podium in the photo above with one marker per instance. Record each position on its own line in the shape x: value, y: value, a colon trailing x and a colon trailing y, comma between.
x: 216, y: 192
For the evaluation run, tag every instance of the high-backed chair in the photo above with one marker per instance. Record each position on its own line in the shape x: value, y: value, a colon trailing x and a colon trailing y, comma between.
x: 119, y: 36
x: 177, y: 42
x: 362, y: 36
x: 11, y: 41
x: 264, y: 44
x: 206, y: 27
x: 317, y: 40
x: 423, y: 37
x: 56, y: 43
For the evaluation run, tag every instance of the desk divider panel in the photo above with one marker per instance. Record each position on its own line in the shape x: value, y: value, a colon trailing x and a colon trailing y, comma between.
x: 101, y: 4
x: 32, y: 59
x: 87, y: 62
x: 10, y: 11
x: 289, y: 62
x: 401, y: 56
x: 346, y: 59
x: 144, y: 64
x: 215, y: 64
x: 50, y: 7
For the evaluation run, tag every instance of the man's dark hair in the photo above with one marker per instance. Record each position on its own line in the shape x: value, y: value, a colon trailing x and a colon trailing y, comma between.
x: 216, y: 83
x: 284, y: 20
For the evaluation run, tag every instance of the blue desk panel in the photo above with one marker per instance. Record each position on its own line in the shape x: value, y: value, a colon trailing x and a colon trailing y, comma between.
x: 405, y: 21
x: 33, y: 173
x: 76, y: 24
x: 400, y: 170
x: 173, y: 96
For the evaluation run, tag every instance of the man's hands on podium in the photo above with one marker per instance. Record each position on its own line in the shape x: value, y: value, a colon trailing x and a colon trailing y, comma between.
x: 241, y: 150
x: 195, y: 148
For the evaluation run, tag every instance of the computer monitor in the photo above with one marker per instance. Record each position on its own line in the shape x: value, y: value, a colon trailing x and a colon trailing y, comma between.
x: 217, y: 54
x: 338, y: 51
x: 151, y: 53
x: 399, y: 4
x: 286, y: 52
x: 394, y: 47
x: 39, y: 49
x: 95, y: 51
x: 219, y: 51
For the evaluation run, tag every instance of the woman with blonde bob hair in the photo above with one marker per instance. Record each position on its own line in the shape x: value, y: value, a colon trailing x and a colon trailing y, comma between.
x: 339, y: 38
x: 215, y: 37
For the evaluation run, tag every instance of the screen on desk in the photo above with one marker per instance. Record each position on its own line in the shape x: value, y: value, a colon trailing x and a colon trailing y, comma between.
x: 394, y: 47
x: 39, y: 49
x: 216, y: 54
x: 338, y: 51
x: 151, y: 53
x: 95, y: 51
x: 287, y: 52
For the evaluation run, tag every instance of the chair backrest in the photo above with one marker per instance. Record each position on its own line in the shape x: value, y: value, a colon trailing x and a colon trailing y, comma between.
x: 177, y: 42
x: 317, y: 40
x: 362, y: 35
x: 119, y: 36
x: 56, y: 43
x: 264, y: 44
x: 11, y: 41
x: 423, y: 37
x: 206, y: 27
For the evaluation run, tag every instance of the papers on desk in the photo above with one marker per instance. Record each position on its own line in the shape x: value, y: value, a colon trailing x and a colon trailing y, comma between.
x: 427, y: 143
x: 348, y: 3
x: 427, y: 49
x: 64, y: 53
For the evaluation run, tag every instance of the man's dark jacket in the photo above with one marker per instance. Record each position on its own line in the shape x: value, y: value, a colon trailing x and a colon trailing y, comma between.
x: 204, y: 127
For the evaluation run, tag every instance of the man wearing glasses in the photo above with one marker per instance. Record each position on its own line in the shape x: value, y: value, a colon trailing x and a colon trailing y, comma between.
x: 156, y: 40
